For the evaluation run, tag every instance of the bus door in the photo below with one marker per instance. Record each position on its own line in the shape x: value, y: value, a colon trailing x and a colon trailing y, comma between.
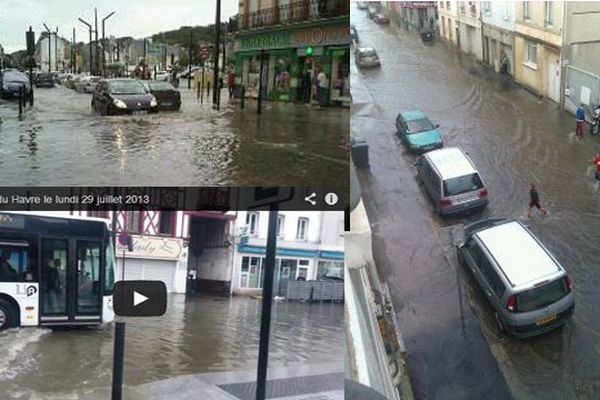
x: 70, y: 281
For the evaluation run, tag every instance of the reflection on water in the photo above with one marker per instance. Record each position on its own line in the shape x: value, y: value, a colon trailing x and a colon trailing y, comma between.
x: 287, y: 144
x: 200, y: 335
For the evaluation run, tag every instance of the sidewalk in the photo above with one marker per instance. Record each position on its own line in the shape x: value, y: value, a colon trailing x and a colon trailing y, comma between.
x: 300, y: 382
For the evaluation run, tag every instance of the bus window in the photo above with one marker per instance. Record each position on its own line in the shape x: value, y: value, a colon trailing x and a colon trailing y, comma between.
x: 109, y: 272
x: 88, y: 277
x: 54, y: 276
x: 14, y: 262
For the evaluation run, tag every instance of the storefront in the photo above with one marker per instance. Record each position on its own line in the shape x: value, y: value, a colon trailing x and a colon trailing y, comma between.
x: 291, y: 57
x: 290, y: 264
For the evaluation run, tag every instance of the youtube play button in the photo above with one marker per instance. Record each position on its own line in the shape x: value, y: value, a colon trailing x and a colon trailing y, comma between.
x: 140, y: 298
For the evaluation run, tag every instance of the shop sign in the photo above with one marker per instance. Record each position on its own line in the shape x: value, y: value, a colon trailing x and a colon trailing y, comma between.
x: 319, y: 36
x: 155, y: 247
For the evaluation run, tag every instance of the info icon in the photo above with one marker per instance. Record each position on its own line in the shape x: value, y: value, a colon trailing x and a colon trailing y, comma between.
x: 140, y: 298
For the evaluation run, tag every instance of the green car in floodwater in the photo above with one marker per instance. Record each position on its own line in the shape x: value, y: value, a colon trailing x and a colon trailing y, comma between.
x: 417, y: 131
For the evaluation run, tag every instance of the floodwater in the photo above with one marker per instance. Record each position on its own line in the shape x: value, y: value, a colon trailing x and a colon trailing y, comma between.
x: 514, y: 138
x: 60, y: 141
x: 195, y: 336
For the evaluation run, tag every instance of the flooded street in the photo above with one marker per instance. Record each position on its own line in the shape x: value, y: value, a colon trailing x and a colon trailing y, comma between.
x: 454, y: 349
x: 60, y: 141
x: 196, y: 336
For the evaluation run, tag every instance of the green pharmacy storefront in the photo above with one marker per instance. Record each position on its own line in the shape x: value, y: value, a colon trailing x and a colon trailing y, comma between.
x: 291, y: 58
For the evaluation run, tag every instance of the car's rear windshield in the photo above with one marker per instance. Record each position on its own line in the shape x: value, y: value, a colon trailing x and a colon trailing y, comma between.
x: 126, y: 87
x: 462, y: 184
x: 368, y: 53
x: 542, y: 296
x: 160, y: 86
x: 419, y: 125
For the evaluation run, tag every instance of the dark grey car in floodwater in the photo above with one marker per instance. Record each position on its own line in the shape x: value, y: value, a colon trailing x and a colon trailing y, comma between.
x: 122, y: 96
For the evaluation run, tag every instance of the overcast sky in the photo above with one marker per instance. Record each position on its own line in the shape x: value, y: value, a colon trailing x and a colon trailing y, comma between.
x: 135, y: 18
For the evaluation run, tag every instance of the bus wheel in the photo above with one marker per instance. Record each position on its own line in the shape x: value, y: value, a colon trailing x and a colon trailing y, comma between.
x: 8, y: 317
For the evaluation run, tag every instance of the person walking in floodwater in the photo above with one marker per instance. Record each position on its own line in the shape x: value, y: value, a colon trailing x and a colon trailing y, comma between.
x: 534, y: 201
x: 580, y: 121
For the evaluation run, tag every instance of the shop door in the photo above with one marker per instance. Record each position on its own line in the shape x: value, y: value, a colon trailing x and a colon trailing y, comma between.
x: 287, y: 271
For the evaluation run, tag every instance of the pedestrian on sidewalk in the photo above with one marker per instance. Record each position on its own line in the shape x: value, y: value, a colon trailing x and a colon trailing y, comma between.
x: 580, y: 121
x: 230, y: 82
x: 323, y: 85
x: 534, y: 201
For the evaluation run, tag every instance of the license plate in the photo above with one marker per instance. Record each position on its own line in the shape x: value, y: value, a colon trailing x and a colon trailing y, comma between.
x: 546, y: 320
x: 139, y: 112
x: 166, y: 103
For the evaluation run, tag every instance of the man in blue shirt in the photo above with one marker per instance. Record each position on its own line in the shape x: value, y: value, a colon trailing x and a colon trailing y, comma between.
x: 580, y: 120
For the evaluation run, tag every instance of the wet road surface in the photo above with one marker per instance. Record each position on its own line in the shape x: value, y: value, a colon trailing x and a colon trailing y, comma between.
x: 60, y: 141
x: 454, y: 349
x: 198, y: 336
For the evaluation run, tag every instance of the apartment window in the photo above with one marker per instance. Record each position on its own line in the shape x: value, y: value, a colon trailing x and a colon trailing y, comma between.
x: 443, y: 26
x: 526, y: 11
x: 280, y: 227
x: 252, y: 222
x: 487, y: 8
x: 302, y: 230
x: 133, y: 222
x: 548, y: 13
x: 448, y: 5
x: 166, y: 226
x: 531, y: 54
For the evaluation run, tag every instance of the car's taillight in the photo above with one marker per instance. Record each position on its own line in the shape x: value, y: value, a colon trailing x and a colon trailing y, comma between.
x: 568, y: 282
x: 483, y: 193
x: 511, y: 303
x: 445, y: 203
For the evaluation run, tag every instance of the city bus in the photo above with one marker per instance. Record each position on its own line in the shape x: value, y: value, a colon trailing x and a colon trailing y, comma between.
x: 55, y: 270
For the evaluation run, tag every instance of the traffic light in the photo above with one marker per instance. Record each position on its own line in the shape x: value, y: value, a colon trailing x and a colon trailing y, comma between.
x: 309, y: 51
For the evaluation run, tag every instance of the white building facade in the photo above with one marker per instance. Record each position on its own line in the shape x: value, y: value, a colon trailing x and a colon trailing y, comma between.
x: 58, y: 59
x: 460, y: 24
x: 310, y: 246
x: 498, y: 18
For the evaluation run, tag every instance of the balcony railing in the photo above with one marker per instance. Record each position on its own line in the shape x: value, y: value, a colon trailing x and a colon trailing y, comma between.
x: 294, y: 12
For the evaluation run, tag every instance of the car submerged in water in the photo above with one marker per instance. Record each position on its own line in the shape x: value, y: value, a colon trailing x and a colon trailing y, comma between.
x: 12, y: 82
x: 167, y: 96
x: 122, y: 96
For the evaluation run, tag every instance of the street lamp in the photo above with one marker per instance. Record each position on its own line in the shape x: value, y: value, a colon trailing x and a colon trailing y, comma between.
x: 104, y: 43
x: 90, y: 29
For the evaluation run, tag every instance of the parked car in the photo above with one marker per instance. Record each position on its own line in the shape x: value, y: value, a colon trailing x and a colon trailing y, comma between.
x: 372, y: 10
x: 366, y: 57
x: 167, y: 96
x: 162, y: 76
x: 353, y: 34
x: 71, y: 82
x: 122, y: 96
x: 11, y: 83
x: 381, y: 19
x: 417, y: 131
x: 529, y: 291
x: 44, y: 80
x: 451, y: 181
x: 87, y: 84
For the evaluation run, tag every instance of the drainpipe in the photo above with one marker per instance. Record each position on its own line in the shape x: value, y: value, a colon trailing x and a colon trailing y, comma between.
x: 562, y: 60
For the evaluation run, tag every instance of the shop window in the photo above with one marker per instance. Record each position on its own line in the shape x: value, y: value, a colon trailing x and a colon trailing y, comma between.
x: 330, y: 270
x: 251, y: 273
x: 341, y: 74
x: 282, y: 75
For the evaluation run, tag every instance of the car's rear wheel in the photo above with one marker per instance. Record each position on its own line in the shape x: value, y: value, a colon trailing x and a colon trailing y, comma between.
x: 8, y: 315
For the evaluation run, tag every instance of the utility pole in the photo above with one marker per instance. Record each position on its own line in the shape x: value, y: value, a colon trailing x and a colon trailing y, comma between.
x: 56, y: 49
x: 216, y: 53
x: 73, y: 56
x: 104, y: 43
x: 90, y: 29
x: 96, y: 67
x: 190, y: 59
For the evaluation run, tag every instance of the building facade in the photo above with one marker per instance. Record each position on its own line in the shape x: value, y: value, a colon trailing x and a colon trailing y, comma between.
x: 413, y: 15
x: 297, y: 38
x: 310, y: 246
x: 581, y: 54
x: 1, y: 57
x: 460, y: 24
x: 538, y: 46
x: 53, y: 56
x: 498, y: 24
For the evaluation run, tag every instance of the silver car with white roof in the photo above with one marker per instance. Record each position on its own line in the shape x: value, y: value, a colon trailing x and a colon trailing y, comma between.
x: 527, y: 287
x: 452, y: 181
